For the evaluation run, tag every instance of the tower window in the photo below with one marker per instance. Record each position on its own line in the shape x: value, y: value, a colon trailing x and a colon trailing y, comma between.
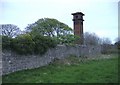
x: 76, y: 16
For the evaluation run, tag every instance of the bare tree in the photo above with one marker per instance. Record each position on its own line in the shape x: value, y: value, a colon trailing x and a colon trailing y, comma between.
x: 106, y: 46
x: 106, y: 41
x: 91, y: 39
x: 10, y: 30
x: 30, y: 27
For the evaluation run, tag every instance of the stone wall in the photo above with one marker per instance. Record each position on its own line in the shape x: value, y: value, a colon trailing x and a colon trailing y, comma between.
x: 12, y: 62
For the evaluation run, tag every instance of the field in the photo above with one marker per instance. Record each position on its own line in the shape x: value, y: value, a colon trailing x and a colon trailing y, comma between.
x: 70, y: 70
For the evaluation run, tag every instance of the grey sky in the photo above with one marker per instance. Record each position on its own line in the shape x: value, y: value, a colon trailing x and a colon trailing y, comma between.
x: 101, y: 16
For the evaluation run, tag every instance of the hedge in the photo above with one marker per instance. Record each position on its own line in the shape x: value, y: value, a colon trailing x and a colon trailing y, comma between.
x: 27, y: 44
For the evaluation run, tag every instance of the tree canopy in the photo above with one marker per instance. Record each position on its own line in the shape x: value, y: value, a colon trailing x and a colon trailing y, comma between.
x: 10, y: 30
x: 52, y: 28
x: 49, y: 27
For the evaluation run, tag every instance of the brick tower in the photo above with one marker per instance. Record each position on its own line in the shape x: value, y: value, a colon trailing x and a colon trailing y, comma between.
x: 78, y: 26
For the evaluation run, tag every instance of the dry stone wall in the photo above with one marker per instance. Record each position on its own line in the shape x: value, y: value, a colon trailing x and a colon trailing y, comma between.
x: 12, y: 62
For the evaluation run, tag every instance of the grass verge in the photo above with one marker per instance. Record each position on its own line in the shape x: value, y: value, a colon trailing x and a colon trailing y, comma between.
x: 94, y: 71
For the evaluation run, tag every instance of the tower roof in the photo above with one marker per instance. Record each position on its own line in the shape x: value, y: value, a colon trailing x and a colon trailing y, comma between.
x: 78, y: 13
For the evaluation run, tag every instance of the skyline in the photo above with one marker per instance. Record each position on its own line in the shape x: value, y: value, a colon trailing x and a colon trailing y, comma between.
x: 101, y: 17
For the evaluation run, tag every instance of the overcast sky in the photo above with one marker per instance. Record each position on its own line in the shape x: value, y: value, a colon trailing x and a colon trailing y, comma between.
x: 101, y: 16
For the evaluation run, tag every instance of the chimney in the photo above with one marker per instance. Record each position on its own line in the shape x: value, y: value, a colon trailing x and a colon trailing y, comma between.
x: 78, y: 26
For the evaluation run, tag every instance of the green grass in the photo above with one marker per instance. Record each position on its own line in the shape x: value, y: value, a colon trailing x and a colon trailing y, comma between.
x: 93, y: 71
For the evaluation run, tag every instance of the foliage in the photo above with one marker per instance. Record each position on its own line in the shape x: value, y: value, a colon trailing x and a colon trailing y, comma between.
x: 23, y: 44
x: 6, y: 42
x: 68, y: 39
x: 49, y: 27
x: 42, y: 44
x: 10, y: 30
x: 28, y: 44
x: 97, y: 71
x: 53, y: 28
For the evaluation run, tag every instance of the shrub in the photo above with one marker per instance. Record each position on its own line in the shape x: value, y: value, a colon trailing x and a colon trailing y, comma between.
x: 43, y: 43
x: 6, y: 43
x: 108, y: 49
x: 28, y: 44
x: 23, y: 44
